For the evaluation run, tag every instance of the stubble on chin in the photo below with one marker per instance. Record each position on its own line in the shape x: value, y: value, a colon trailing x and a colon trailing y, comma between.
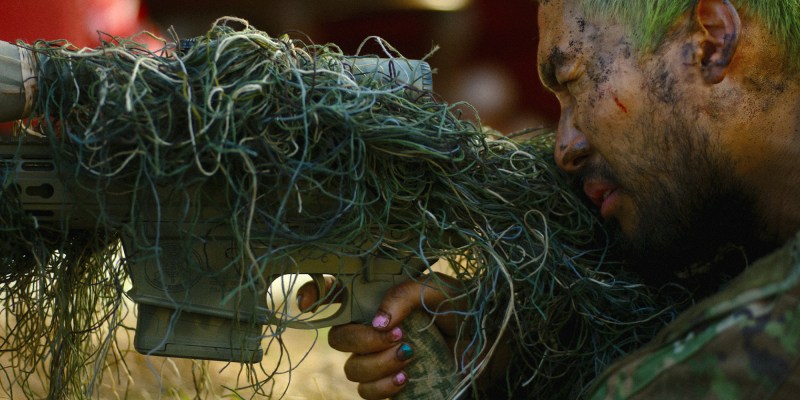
x: 686, y: 208
x: 698, y: 229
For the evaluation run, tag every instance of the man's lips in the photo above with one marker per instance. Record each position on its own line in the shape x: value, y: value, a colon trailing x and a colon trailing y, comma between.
x: 603, y: 194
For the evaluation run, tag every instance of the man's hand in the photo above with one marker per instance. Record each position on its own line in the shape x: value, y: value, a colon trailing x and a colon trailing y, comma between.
x: 380, y: 353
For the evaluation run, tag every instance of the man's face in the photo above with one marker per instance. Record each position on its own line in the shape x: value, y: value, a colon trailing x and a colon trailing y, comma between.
x: 628, y: 132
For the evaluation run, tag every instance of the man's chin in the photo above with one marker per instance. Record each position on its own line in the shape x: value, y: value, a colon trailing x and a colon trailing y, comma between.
x: 701, y: 261
x: 644, y: 256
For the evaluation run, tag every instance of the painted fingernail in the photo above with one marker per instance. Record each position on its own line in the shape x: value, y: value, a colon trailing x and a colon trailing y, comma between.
x: 400, y: 379
x: 396, y: 334
x: 381, y: 320
x: 405, y: 352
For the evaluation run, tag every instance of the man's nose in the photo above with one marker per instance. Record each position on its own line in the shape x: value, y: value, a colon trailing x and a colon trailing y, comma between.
x: 572, y: 148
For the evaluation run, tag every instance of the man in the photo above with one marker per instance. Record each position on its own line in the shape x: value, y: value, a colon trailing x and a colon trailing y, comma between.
x: 680, y: 119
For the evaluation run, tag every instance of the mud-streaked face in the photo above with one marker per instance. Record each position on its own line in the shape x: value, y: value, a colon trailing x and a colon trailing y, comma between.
x: 629, y: 131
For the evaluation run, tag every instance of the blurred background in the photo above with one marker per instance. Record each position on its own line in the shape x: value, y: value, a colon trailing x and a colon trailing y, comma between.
x: 486, y: 56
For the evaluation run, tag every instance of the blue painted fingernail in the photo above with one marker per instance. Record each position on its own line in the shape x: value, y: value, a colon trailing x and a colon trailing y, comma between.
x: 404, y: 352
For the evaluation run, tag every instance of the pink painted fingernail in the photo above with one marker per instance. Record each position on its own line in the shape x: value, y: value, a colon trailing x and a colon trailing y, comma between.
x: 381, y: 320
x: 400, y: 379
x: 396, y: 334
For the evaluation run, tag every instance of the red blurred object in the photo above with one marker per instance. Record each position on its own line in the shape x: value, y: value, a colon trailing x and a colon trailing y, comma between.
x: 77, y: 21
x: 44, y: 19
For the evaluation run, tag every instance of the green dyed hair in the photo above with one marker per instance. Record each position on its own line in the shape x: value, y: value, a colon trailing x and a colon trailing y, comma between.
x: 650, y: 20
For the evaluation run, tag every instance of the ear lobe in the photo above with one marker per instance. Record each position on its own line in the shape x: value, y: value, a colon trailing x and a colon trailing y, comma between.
x: 720, y: 27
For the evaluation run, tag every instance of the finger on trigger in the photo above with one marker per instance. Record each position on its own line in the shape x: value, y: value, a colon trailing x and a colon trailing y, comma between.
x: 309, y: 296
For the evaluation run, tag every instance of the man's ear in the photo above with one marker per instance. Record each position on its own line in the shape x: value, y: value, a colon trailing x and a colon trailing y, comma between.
x: 719, y: 29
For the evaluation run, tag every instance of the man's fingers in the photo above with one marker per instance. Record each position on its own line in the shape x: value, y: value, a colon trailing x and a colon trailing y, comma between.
x: 380, y: 374
x: 383, y: 388
x: 362, y: 339
x: 434, y: 292
x: 371, y: 367
x: 308, y: 295
x: 381, y: 353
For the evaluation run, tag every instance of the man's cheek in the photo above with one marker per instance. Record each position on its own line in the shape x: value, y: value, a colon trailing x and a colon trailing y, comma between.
x: 614, y: 101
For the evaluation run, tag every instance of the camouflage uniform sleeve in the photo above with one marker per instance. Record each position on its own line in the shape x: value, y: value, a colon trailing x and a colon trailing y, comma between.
x: 742, y: 343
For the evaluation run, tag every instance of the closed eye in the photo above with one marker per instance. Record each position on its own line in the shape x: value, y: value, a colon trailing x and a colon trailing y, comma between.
x: 547, y: 73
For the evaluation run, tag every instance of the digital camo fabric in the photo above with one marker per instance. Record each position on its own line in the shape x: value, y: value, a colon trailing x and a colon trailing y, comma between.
x: 741, y: 343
